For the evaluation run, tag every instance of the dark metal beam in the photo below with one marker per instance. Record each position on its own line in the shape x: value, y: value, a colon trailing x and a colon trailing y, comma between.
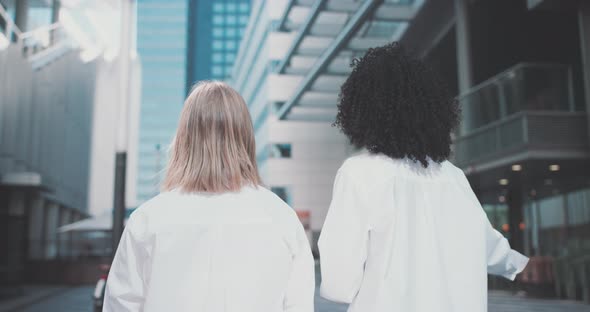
x: 584, y: 30
x: 349, y: 30
x: 303, y: 32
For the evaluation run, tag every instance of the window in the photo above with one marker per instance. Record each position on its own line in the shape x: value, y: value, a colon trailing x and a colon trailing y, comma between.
x: 217, y: 58
x: 244, y: 7
x: 230, y: 45
x: 217, y: 45
x: 228, y: 70
x: 217, y: 20
x: 231, y: 7
x: 230, y: 57
x: 231, y: 19
x: 244, y: 20
x: 230, y: 32
x: 217, y: 70
x: 280, y: 150
x: 217, y: 32
x: 282, y: 192
x: 218, y: 7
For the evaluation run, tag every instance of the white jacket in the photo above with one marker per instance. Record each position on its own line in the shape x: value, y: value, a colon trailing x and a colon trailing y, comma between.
x: 235, y: 252
x: 399, y: 237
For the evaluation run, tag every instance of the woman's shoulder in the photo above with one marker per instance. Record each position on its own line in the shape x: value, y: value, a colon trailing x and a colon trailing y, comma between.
x: 275, y: 206
x: 369, y: 164
x: 376, y: 166
x: 148, y: 211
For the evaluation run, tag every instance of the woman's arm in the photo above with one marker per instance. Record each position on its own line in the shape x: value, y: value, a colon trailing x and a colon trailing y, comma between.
x: 301, y: 287
x: 125, y: 290
x: 343, y: 242
x: 502, y: 260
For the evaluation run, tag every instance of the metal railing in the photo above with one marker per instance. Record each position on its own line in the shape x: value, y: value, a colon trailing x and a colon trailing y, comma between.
x: 523, y: 87
x: 559, y: 131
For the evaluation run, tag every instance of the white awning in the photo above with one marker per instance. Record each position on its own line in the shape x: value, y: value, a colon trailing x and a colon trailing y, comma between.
x: 94, y: 224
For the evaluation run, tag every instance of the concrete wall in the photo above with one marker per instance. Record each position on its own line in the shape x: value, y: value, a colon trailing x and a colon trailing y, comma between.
x: 105, y: 112
x: 46, y: 118
x: 317, y: 148
x: 317, y: 151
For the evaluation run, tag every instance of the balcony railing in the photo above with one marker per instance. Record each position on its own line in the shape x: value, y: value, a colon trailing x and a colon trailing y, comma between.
x: 527, y: 107
x: 559, y: 132
x: 524, y: 87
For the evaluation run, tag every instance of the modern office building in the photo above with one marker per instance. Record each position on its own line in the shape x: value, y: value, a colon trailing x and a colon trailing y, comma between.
x: 520, y: 69
x: 179, y: 42
x: 50, y: 137
x: 162, y: 28
x: 524, y: 88
x: 216, y: 29
x: 291, y: 63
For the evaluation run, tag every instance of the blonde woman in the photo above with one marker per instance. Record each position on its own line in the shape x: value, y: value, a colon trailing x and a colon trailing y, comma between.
x: 214, y: 239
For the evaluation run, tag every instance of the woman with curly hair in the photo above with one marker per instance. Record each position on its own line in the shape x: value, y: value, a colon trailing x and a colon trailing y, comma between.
x: 405, y: 231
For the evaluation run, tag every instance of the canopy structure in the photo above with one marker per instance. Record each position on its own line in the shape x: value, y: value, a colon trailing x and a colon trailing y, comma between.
x: 329, y: 34
x: 102, y: 223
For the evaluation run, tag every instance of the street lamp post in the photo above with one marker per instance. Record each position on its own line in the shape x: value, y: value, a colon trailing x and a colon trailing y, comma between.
x: 123, y: 120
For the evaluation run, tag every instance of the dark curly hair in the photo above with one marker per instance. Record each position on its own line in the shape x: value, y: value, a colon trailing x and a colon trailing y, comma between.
x: 393, y: 103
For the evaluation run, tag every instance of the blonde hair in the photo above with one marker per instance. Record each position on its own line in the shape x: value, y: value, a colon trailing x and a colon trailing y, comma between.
x: 214, y: 149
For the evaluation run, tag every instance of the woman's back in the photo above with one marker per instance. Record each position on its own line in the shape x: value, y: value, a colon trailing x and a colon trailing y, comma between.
x: 242, y: 251
x: 419, y: 239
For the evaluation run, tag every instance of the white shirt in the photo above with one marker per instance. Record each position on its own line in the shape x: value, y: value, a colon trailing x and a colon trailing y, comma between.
x: 400, y: 237
x: 234, y: 252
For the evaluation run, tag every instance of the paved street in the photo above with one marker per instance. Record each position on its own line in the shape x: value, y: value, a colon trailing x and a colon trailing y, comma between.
x: 79, y: 300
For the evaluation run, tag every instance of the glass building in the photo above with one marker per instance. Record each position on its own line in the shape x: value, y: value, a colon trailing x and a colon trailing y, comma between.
x: 162, y: 45
x: 523, y: 86
x: 218, y: 27
x: 179, y: 42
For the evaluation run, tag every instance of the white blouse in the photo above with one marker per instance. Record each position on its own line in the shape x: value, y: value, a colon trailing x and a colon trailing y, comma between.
x: 400, y: 237
x: 234, y: 252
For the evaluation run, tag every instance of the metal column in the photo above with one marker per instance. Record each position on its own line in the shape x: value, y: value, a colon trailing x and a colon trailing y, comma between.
x: 463, y: 41
x: 55, y: 7
x: 21, y: 15
x: 584, y: 25
x: 123, y: 120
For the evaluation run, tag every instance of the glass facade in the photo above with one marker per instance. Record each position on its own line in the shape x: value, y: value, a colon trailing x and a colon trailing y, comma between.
x: 179, y: 42
x: 220, y: 25
x: 558, y: 225
x: 162, y: 46
x: 532, y: 87
x: 229, y: 20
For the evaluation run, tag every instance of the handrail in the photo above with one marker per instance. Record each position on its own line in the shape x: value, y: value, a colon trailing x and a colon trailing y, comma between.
x: 502, y: 95
x: 499, y: 76
x: 497, y: 123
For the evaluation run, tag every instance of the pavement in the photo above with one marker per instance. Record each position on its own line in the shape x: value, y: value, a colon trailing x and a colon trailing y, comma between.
x: 78, y: 299
x: 28, y: 295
